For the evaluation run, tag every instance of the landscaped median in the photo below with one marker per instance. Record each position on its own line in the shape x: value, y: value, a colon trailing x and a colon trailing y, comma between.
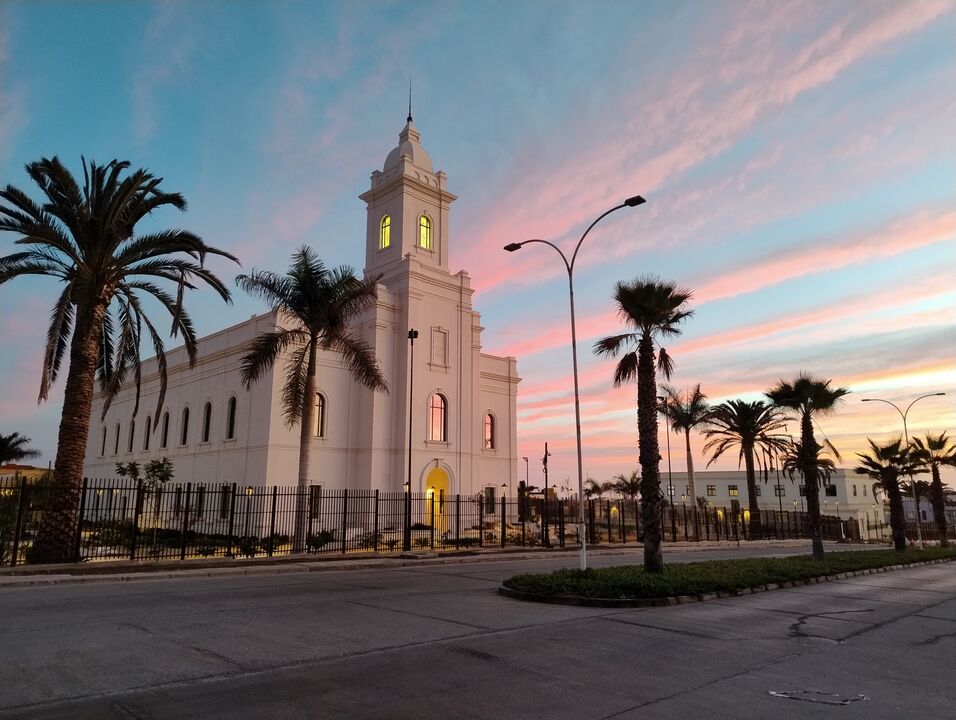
x: 630, y: 586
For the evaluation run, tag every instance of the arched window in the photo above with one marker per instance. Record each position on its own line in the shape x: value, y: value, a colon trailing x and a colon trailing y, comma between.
x: 318, y: 416
x: 206, y: 421
x: 164, y: 433
x: 438, y: 418
x: 149, y: 429
x: 424, y: 232
x: 116, y: 440
x: 184, y: 427
x: 132, y: 434
x: 385, y: 232
x: 103, y: 444
x: 489, y: 431
x: 231, y: 419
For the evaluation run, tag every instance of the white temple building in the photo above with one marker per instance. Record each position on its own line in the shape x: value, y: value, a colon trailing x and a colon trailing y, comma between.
x: 464, y: 438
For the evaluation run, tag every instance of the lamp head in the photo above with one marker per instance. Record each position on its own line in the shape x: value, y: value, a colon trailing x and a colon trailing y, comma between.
x: 635, y: 201
x: 511, y: 247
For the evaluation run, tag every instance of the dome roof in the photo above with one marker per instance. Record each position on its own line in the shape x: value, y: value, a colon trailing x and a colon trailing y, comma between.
x: 408, y: 144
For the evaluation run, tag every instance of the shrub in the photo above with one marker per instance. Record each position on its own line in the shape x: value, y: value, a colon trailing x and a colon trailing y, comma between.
x: 272, y: 543
x: 390, y: 543
x: 248, y: 546
x: 421, y: 542
x: 318, y: 540
x: 369, y: 541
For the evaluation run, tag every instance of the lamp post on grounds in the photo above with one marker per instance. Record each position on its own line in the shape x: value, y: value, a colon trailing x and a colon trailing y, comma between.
x: 407, y: 534
x: 906, y: 436
x: 569, y: 266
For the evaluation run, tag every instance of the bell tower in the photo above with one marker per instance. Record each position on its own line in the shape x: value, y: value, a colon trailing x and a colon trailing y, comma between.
x: 407, y: 208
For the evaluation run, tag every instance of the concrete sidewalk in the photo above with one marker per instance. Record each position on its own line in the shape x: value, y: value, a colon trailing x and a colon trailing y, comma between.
x: 124, y: 570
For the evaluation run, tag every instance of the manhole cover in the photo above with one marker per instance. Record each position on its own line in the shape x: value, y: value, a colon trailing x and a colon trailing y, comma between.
x: 817, y: 696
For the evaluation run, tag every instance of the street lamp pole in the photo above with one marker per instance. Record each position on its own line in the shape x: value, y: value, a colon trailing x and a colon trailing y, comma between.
x: 569, y: 266
x: 407, y: 534
x: 667, y: 432
x: 906, y: 436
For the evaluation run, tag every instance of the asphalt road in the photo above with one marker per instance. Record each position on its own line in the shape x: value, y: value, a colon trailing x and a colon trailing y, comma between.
x: 439, y: 642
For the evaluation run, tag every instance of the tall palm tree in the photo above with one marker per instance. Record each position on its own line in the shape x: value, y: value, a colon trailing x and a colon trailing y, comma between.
x: 809, y: 396
x: 934, y: 451
x: 314, y: 307
x: 887, y: 464
x: 13, y: 447
x: 685, y: 409
x: 84, y: 237
x: 750, y: 427
x: 654, y: 308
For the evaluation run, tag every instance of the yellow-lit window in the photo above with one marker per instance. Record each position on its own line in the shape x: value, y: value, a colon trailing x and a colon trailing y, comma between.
x: 425, y: 232
x: 385, y: 232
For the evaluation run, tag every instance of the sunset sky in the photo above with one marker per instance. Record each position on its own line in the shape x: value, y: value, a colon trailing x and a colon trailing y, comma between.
x: 798, y: 160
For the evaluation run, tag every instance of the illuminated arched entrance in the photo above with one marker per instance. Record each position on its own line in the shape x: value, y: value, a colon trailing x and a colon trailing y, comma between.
x: 438, y: 486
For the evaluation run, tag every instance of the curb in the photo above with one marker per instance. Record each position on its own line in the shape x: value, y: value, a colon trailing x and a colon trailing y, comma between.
x: 25, y: 576
x: 581, y: 601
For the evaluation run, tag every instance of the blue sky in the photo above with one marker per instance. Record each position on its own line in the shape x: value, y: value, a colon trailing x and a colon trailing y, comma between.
x: 798, y: 160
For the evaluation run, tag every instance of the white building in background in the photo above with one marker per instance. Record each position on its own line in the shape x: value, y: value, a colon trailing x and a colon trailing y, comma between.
x: 848, y: 495
x: 464, y: 436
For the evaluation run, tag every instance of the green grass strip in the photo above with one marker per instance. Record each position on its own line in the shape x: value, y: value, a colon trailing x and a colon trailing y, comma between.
x: 630, y: 582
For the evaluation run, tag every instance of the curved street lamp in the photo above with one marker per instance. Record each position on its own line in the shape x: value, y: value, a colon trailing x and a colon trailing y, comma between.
x: 569, y: 266
x: 906, y: 436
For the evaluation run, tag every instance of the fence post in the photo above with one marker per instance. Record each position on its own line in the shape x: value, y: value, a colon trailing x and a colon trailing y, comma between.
x: 620, y: 519
x: 79, y: 523
x: 481, y: 521
x: 431, y: 522
x: 232, y: 520
x: 457, y: 521
x: 560, y: 523
x: 345, y: 519
x: 182, y: 548
x: 673, y: 523
x: 18, y: 528
x: 375, y: 527
x: 504, y: 519
x: 137, y: 508
x: 607, y: 509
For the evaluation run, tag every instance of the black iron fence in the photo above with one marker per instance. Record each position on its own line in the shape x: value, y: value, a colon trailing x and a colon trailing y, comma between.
x: 133, y: 520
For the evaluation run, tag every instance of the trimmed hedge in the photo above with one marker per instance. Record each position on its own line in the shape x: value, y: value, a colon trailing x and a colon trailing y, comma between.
x: 630, y: 582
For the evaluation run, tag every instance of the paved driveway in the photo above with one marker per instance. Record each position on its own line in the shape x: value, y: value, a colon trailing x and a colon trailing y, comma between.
x: 439, y: 642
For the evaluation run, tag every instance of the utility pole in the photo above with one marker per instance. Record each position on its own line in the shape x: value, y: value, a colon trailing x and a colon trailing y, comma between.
x: 544, y: 515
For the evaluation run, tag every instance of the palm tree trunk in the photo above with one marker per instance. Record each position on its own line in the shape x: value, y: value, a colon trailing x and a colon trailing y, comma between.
x: 939, y: 505
x: 649, y: 455
x: 808, y: 468
x: 756, y: 527
x: 897, y: 517
x: 691, y: 486
x: 305, y: 453
x: 57, y: 532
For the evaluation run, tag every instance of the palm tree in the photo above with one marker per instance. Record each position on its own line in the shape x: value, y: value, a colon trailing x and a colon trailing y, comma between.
x: 317, y: 304
x: 791, y: 466
x: 13, y: 448
x: 749, y: 426
x: 628, y: 486
x: 936, y: 450
x: 654, y: 308
x: 686, y: 409
x: 594, y: 489
x: 84, y: 237
x: 809, y: 396
x: 887, y: 464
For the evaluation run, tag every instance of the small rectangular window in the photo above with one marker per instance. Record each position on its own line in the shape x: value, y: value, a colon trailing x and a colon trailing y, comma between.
x: 711, y: 491
x: 854, y: 491
x: 733, y: 491
x: 439, y: 347
x: 803, y: 491
x: 781, y: 491
x: 225, y: 496
x: 864, y: 491
x: 315, y: 498
x: 831, y: 490
x: 759, y: 490
x: 489, y: 501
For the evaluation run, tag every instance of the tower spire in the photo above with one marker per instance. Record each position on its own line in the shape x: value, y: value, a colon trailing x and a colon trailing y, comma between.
x: 409, y: 118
